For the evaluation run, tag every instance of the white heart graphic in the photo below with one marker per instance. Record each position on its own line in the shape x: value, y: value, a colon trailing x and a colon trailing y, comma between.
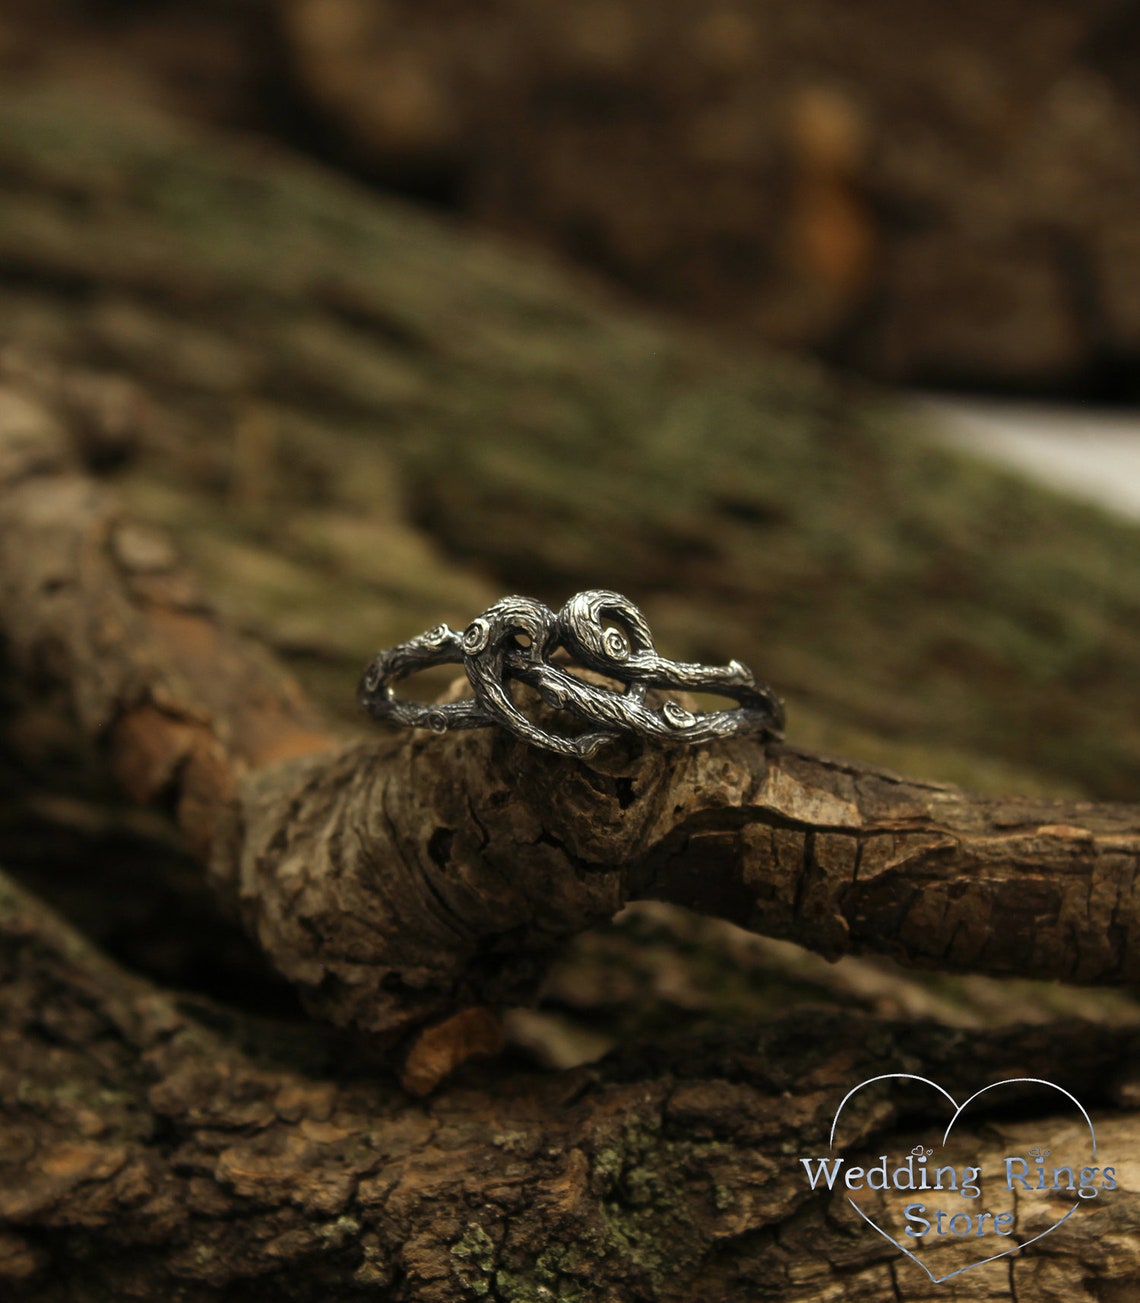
x: 958, y: 1109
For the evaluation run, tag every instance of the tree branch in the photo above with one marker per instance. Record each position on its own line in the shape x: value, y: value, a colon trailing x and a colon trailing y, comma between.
x: 398, y: 881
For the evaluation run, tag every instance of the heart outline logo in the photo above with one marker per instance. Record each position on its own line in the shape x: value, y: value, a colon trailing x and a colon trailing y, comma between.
x: 958, y: 1110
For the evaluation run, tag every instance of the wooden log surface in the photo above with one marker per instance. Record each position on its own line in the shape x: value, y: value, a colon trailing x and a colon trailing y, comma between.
x: 408, y: 878
x: 162, y: 1147
x: 283, y: 364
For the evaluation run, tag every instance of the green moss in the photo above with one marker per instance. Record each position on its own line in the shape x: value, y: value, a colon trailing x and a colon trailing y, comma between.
x: 645, y: 1232
x: 647, y: 1210
x: 475, y: 1260
x: 548, y: 1281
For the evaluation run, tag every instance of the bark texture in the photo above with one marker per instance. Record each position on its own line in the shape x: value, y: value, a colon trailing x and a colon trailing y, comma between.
x: 158, y: 1145
x: 162, y: 1148
x: 406, y: 880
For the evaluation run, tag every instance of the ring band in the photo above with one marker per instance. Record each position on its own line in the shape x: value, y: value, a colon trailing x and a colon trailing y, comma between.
x: 600, y: 630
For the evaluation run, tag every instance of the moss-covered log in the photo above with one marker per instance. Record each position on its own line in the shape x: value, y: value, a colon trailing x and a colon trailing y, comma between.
x: 171, y: 1147
x: 403, y: 881
x: 360, y: 424
x: 363, y: 422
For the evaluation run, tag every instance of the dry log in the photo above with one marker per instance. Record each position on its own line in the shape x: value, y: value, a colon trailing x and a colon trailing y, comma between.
x: 156, y: 1147
x: 404, y: 880
x: 159, y: 1146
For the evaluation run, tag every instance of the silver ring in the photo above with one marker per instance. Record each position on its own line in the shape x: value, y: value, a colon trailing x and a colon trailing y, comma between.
x: 599, y: 630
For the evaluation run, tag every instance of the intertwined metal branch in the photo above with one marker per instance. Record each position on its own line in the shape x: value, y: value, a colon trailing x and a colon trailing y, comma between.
x: 517, y: 637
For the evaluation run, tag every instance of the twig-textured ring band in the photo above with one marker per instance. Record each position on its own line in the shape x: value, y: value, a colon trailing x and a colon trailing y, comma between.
x: 603, y: 631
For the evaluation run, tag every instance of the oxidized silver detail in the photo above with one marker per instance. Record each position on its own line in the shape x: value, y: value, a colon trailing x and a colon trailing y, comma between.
x: 476, y: 636
x: 603, y: 631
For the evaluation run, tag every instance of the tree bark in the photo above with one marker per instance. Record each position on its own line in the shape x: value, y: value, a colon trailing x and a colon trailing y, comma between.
x: 156, y: 1147
x: 405, y: 880
x: 161, y: 1146
x: 398, y: 882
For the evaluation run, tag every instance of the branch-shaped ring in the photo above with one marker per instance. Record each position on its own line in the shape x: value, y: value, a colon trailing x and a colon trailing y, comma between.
x: 602, y: 631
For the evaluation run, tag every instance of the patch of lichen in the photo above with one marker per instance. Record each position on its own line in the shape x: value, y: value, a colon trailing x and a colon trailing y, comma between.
x: 648, y: 1176
x: 474, y: 1261
x: 641, y: 1234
